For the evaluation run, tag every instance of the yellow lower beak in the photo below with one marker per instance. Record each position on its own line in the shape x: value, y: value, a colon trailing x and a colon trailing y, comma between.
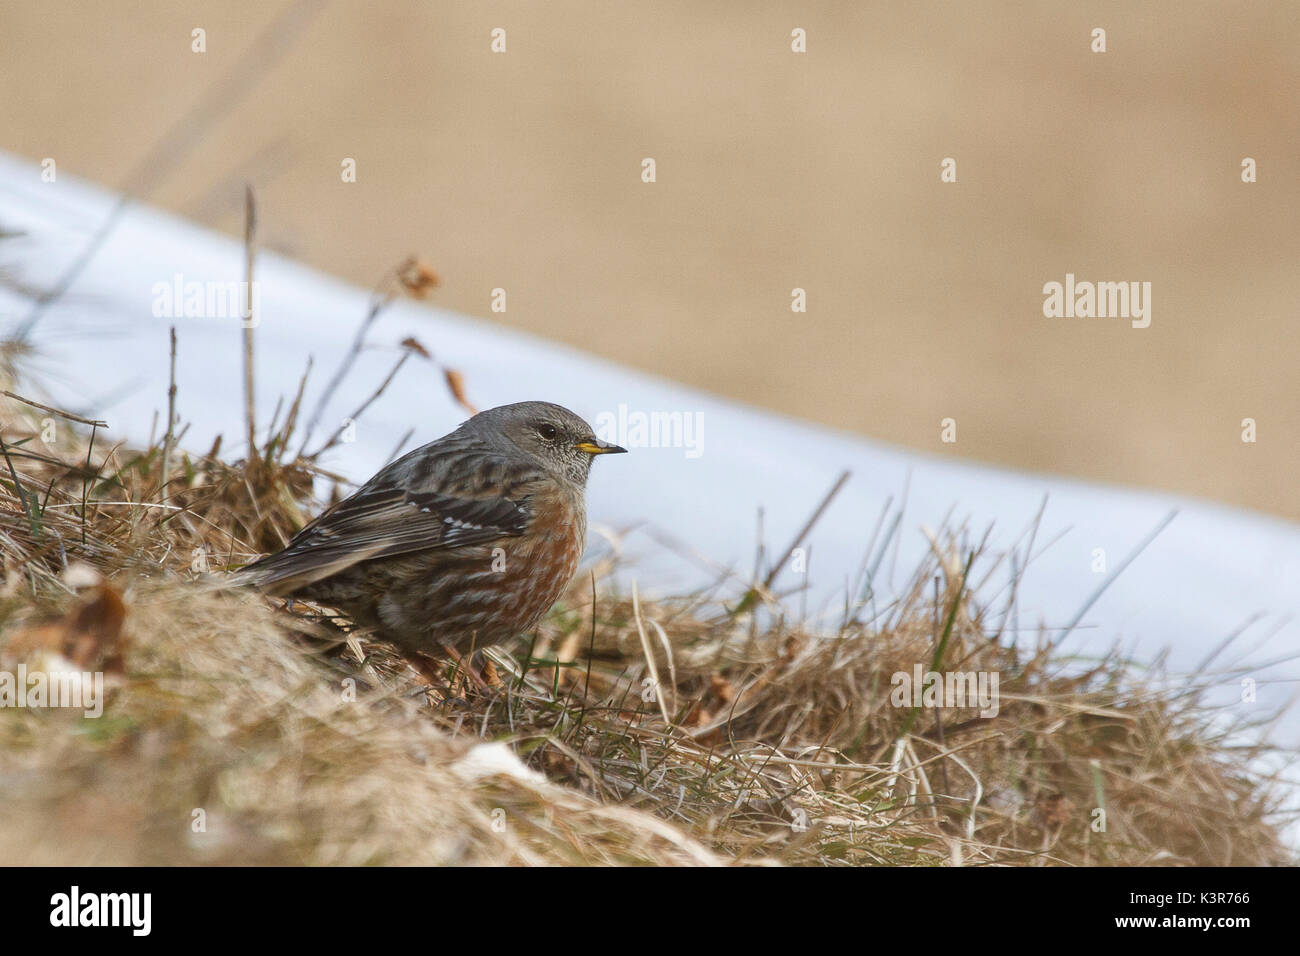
x: 594, y: 447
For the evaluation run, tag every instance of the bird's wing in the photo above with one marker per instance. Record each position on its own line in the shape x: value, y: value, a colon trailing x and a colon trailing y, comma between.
x: 382, y: 520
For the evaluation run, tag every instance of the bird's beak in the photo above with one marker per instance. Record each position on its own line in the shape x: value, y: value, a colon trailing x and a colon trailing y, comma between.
x: 593, y: 446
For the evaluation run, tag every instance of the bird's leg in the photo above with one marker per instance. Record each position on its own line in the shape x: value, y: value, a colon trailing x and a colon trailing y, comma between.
x: 489, y: 671
x: 466, y: 667
x: 426, y: 666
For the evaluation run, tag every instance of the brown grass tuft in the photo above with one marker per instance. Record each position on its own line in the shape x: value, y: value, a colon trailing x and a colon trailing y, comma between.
x: 624, y: 731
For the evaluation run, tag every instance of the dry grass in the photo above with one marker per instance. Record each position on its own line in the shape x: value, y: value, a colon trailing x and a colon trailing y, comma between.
x: 672, y: 732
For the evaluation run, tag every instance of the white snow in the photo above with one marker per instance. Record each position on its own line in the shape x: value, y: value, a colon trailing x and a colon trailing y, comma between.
x: 1212, y: 571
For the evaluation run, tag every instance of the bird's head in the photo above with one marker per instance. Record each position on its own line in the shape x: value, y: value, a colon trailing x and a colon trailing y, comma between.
x: 559, y: 440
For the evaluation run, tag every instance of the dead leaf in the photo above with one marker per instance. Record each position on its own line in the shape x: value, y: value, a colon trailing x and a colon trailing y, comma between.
x: 89, y: 636
x: 413, y: 344
x: 417, y: 278
x: 456, y: 384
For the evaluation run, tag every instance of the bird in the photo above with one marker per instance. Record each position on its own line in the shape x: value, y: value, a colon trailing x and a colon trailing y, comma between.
x: 460, y: 544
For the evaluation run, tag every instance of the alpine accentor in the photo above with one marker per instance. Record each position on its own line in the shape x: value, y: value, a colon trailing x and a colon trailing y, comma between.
x: 461, y: 543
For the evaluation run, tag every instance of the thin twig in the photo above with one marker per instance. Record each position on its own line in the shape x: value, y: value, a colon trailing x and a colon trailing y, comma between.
x: 651, y: 666
x: 378, y: 302
x: 334, y: 439
x: 181, y: 138
x: 808, y: 526
x: 399, y: 446
x: 169, y: 441
x: 291, y: 420
x: 1119, y: 569
x: 85, y: 485
x: 250, y: 254
x: 56, y: 411
x: 19, y: 489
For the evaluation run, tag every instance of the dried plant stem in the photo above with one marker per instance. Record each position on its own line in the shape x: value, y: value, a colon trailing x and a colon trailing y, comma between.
x: 50, y: 408
x: 338, y: 432
x: 250, y: 233
x: 378, y: 302
x: 169, y: 441
x: 179, y: 140
x: 808, y: 526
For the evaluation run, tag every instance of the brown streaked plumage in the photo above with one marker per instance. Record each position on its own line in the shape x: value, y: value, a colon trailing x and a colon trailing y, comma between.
x: 461, y: 543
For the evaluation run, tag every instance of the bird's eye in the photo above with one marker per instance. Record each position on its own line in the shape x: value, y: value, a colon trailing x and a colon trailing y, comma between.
x: 548, y: 432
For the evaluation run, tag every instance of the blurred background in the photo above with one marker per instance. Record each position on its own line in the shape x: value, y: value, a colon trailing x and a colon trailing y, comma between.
x: 774, y: 171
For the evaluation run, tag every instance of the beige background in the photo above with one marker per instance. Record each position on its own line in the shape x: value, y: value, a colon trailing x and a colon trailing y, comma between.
x: 775, y: 170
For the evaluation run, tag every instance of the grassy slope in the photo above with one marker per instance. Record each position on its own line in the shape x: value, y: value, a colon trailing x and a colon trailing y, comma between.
x: 292, y: 740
